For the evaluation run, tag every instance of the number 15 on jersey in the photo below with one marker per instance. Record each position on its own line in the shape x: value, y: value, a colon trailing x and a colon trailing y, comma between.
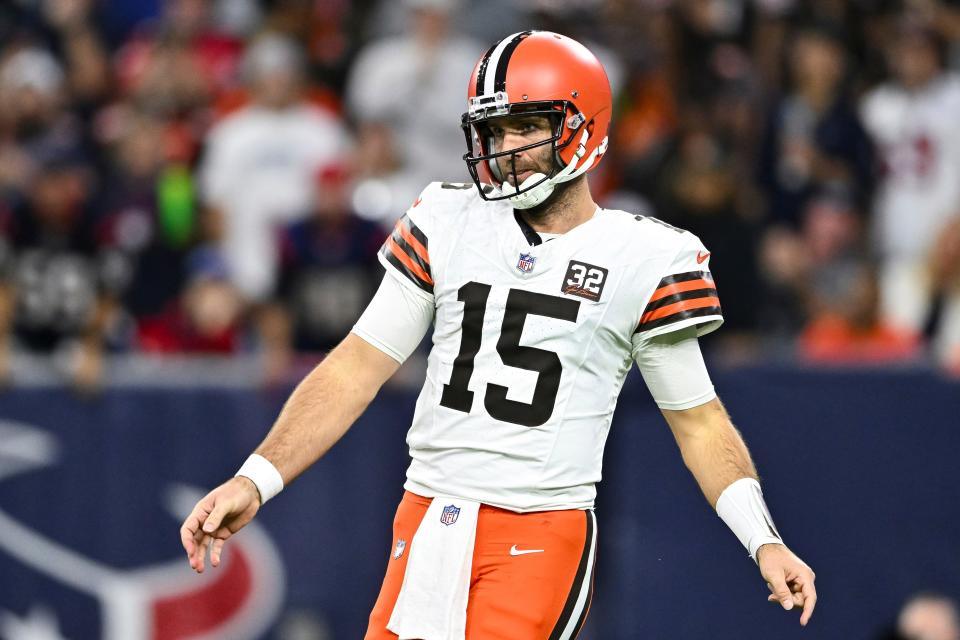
x: 520, y: 304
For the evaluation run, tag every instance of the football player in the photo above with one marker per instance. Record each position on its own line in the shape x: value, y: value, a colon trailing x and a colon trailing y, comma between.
x: 540, y: 301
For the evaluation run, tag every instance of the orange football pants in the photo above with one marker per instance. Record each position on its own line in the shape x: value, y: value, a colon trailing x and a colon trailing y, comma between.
x: 513, y: 596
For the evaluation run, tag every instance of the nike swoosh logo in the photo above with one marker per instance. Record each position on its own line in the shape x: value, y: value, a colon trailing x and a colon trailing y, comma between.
x: 517, y: 552
x: 702, y: 256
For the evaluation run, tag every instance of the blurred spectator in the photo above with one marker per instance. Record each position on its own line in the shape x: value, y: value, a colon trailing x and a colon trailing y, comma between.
x: 329, y: 266
x: 929, y: 616
x: 407, y: 94
x: 205, y: 319
x: 648, y: 110
x: 260, y: 161
x: 81, y: 46
x: 814, y: 139
x: 179, y: 61
x: 821, y: 274
x: 329, y: 32
x: 845, y: 327
x: 34, y: 120
x: 912, y: 119
x: 148, y: 214
x: 711, y: 37
x: 813, y: 169
x: 63, y: 284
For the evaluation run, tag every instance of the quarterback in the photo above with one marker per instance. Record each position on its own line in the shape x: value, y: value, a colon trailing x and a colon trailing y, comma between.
x: 540, y: 302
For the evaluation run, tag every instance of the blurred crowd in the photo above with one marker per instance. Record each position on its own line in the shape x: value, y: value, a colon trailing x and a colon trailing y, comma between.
x: 216, y: 176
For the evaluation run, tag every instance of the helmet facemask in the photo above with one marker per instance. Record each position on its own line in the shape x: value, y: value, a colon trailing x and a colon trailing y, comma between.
x: 481, y: 158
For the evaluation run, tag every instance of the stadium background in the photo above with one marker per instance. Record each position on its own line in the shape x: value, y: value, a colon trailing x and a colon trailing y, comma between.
x: 192, y: 194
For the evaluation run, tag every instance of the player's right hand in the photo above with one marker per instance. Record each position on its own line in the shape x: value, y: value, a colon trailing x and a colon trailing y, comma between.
x: 219, y: 515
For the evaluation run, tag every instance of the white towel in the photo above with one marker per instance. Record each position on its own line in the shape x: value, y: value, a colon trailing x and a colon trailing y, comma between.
x: 432, y: 604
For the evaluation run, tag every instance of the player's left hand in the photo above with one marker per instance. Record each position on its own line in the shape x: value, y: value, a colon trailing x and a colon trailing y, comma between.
x: 789, y: 579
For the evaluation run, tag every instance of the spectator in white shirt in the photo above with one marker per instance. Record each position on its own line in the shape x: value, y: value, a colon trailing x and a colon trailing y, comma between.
x: 406, y: 93
x: 912, y: 120
x: 260, y: 162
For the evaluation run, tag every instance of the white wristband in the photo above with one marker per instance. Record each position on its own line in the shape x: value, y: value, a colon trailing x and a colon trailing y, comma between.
x: 742, y: 507
x: 263, y: 474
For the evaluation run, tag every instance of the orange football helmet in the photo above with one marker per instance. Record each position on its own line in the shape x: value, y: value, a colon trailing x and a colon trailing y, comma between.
x: 540, y: 73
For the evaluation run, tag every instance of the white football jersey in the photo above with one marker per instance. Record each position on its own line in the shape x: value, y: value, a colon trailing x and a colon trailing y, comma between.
x: 918, y: 141
x: 531, y: 344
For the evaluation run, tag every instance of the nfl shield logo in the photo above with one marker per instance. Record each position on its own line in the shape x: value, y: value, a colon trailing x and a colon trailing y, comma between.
x: 526, y: 262
x: 449, y: 515
x: 398, y: 550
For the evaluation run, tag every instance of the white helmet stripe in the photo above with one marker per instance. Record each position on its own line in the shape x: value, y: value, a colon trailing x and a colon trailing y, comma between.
x: 494, y: 61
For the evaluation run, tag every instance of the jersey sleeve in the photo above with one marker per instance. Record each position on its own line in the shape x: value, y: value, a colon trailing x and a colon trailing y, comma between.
x: 396, y: 319
x: 685, y: 296
x: 406, y: 252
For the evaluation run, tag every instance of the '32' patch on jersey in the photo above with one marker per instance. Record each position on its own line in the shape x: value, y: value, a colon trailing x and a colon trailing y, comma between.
x: 584, y: 280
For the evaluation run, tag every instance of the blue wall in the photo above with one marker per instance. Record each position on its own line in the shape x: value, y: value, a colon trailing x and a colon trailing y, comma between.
x: 858, y: 467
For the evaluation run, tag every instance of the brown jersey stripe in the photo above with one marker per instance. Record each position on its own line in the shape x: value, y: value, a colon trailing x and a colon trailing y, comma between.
x: 683, y: 305
x: 680, y: 287
x: 683, y: 277
x: 410, y: 241
x: 681, y: 315
x: 403, y: 237
x: 679, y: 297
x: 401, y: 246
x: 399, y: 259
x: 415, y: 232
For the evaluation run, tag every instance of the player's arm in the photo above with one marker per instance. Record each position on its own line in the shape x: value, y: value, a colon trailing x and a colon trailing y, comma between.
x: 716, y: 455
x: 711, y: 446
x: 319, y: 411
x: 324, y: 405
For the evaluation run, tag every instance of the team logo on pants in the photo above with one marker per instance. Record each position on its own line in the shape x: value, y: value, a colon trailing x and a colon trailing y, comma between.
x: 450, y: 514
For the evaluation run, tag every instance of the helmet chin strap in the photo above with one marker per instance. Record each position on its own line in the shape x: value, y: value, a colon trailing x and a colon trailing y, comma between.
x: 536, y: 195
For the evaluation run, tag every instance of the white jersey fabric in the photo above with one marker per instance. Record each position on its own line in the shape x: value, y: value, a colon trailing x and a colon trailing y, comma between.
x: 531, y: 344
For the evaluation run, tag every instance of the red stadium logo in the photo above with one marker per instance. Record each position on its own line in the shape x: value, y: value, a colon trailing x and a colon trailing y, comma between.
x: 167, y: 601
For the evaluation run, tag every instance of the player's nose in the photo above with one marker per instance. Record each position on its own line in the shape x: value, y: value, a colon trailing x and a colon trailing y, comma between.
x: 513, y: 141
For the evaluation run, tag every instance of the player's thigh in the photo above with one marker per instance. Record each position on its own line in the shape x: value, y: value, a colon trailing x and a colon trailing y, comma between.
x: 533, y: 576
x: 409, y: 514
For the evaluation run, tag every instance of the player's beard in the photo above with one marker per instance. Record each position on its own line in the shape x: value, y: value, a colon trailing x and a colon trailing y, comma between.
x: 555, y: 204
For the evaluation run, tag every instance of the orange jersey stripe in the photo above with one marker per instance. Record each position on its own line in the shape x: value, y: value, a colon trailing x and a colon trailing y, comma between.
x: 413, y: 242
x: 677, y: 307
x: 680, y: 287
x: 400, y: 255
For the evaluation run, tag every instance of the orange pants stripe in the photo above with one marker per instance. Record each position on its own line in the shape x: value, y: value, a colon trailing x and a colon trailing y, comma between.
x: 531, y: 596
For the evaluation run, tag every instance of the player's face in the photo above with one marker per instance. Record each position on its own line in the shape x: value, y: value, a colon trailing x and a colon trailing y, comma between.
x: 512, y: 132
